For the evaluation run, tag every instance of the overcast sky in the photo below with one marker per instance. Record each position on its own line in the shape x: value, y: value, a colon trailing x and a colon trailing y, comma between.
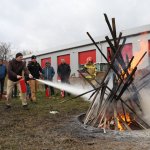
x: 43, y: 24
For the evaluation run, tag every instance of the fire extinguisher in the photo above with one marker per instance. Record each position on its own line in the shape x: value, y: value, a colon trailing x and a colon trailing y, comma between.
x: 63, y: 94
x: 22, y: 85
x: 47, y: 92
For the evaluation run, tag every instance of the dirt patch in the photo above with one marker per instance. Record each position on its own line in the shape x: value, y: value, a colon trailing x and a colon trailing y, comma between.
x: 37, y: 129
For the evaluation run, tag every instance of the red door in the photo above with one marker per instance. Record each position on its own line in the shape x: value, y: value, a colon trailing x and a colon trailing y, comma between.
x: 43, y: 61
x: 149, y: 48
x: 84, y: 55
x: 66, y: 58
x: 126, y: 51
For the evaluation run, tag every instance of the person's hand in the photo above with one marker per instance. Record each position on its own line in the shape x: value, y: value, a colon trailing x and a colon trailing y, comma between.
x: 41, y: 75
x: 19, y: 77
x: 30, y: 76
x: 28, y: 82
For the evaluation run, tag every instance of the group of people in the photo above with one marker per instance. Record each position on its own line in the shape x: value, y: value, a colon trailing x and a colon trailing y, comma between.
x: 17, y: 69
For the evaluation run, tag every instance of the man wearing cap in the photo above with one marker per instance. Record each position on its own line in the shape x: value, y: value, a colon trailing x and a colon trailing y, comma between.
x: 3, y: 72
x: 15, y: 71
x: 36, y: 71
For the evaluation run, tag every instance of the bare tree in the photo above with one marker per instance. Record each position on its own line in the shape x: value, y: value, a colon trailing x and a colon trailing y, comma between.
x: 5, y: 51
x: 26, y: 52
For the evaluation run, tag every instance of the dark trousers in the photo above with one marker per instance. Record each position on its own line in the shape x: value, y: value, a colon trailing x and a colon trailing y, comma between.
x: 65, y: 80
x: 2, y: 85
x: 51, y: 89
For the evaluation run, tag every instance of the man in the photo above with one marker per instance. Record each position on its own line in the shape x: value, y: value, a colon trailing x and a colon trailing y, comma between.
x: 3, y: 72
x: 15, y: 71
x: 48, y: 73
x: 36, y: 71
x: 64, y: 73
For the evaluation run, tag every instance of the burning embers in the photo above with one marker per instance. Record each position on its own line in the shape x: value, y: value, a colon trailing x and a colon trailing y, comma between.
x: 116, y: 99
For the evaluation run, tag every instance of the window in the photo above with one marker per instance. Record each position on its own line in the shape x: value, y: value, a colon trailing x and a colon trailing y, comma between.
x: 101, y: 67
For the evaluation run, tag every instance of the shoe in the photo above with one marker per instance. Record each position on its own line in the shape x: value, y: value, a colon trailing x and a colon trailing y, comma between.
x: 25, y: 107
x: 8, y: 107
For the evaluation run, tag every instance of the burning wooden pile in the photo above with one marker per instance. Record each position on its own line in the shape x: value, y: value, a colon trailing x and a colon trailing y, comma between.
x: 116, y: 99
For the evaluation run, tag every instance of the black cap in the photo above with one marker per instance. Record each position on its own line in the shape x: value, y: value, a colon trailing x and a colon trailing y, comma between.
x: 18, y: 54
x: 33, y: 57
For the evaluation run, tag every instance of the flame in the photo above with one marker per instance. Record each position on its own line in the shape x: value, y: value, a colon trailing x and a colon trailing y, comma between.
x: 123, y: 74
x: 143, y: 48
x: 125, y: 118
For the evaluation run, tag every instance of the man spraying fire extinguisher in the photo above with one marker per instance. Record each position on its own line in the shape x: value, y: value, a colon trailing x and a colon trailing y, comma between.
x: 15, y: 71
x: 36, y: 71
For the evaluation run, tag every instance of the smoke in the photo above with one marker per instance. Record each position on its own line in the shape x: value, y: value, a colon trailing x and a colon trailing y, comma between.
x: 145, y: 103
x: 75, y: 90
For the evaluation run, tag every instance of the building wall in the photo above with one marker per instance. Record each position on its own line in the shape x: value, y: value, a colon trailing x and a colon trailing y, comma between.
x: 139, y: 41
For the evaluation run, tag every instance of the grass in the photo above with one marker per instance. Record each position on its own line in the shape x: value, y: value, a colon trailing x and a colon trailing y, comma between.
x: 36, y: 128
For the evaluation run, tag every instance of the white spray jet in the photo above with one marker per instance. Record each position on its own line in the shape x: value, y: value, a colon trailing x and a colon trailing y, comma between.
x: 75, y: 90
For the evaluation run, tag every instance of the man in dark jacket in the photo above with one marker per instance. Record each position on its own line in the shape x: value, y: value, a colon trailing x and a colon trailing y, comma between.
x: 36, y: 71
x: 3, y: 72
x: 64, y: 73
x: 48, y: 73
x: 15, y: 73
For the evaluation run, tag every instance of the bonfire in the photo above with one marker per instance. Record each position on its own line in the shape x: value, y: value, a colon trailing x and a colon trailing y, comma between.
x: 116, y: 99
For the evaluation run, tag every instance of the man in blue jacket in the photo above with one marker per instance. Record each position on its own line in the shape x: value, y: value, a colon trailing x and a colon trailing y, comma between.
x: 48, y: 73
x: 3, y: 72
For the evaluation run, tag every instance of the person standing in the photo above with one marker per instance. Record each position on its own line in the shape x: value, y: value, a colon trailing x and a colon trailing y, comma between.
x: 3, y: 72
x: 90, y: 70
x: 16, y: 67
x: 48, y: 73
x: 36, y: 71
x: 64, y: 71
